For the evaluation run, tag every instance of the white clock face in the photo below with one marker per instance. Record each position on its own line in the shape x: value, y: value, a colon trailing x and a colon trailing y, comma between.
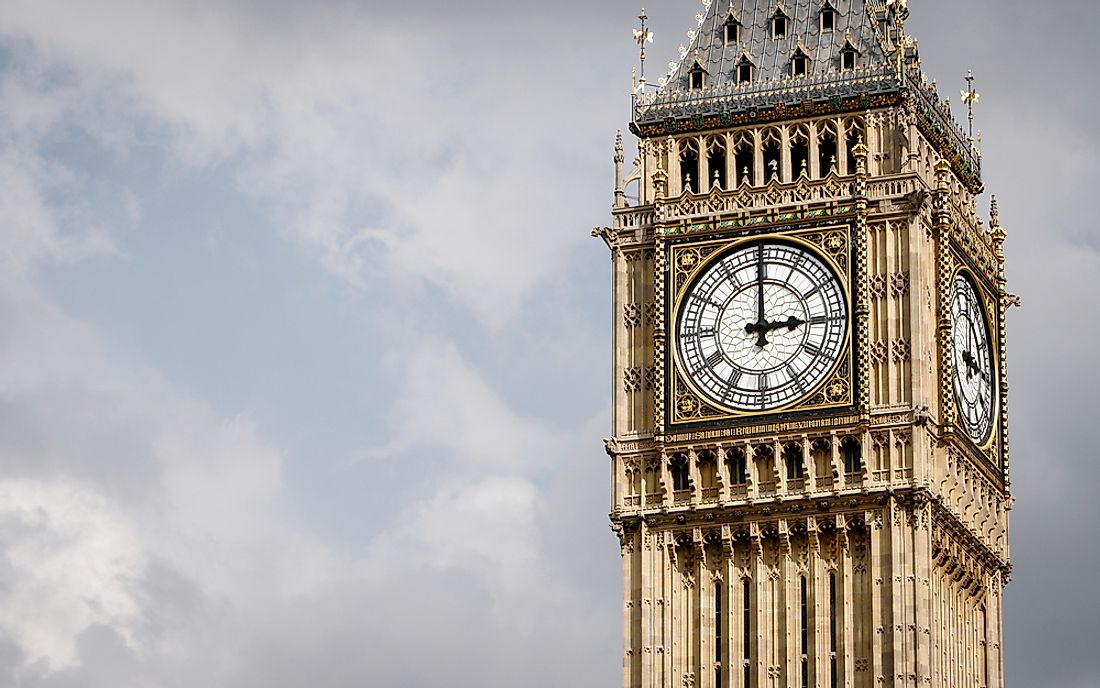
x: 973, y: 360
x: 762, y: 326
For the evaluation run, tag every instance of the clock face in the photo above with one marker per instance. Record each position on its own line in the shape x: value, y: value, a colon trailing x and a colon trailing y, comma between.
x: 762, y: 326
x: 973, y: 360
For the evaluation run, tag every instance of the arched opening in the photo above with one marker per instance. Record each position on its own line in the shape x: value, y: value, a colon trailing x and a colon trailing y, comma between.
x: 708, y: 475
x: 716, y: 162
x: 738, y: 466
x: 792, y: 458
x: 855, y: 136
x: 826, y: 150
x: 800, y: 152
x: 680, y: 472
x: 744, y: 164
x: 689, y: 165
x: 853, y: 456
x: 773, y: 156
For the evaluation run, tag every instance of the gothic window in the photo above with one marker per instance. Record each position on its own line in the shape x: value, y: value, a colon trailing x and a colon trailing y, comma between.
x: 779, y: 24
x: 805, y: 635
x: 708, y: 471
x: 689, y: 164
x: 828, y: 17
x: 792, y: 457
x: 697, y: 76
x: 738, y: 466
x: 744, y: 162
x: 718, y: 633
x: 853, y: 455
x: 678, y: 467
x: 744, y: 70
x: 854, y: 128
x: 716, y: 162
x: 746, y: 634
x: 832, y: 631
x: 800, y: 151
x: 773, y: 158
x: 826, y: 150
x: 731, y: 30
x: 800, y: 63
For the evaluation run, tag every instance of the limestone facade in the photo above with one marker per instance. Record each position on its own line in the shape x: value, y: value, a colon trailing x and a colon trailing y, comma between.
x: 858, y: 537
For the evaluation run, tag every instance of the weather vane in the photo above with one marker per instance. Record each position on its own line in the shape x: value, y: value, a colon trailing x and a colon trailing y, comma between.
x: 970, y: 98
x: 641, y: 37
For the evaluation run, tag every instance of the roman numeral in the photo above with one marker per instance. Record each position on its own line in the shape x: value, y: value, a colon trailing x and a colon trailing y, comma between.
x: 714, y: 359
x: 822, y: 319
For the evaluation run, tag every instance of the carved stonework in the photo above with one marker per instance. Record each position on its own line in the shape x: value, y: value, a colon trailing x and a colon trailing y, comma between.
x: 860, y: 483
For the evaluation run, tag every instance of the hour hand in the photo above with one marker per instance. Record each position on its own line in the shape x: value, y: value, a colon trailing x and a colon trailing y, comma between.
x: 972, y: 368
x: 790, y: 323
x: 760, y: 329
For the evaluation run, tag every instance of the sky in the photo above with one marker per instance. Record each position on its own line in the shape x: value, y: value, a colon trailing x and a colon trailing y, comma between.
x: 305, y: 354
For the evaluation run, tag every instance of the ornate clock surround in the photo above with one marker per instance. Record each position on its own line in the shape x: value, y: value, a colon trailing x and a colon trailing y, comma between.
x: 686, y: 256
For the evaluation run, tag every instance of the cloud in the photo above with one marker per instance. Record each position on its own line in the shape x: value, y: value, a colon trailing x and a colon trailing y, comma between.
x: 306, y: 106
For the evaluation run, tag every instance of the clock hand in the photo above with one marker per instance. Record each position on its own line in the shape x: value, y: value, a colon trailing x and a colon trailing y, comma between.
x: 760, y: 327
x: 790, y: 323
x: 972, y: 367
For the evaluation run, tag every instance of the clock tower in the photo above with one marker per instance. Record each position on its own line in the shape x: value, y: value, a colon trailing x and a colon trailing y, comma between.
x: 810, y: 453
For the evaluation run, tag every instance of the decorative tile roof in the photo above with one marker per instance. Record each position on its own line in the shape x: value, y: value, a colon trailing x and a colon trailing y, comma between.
x: 771, y: 56
x: 868, y: 26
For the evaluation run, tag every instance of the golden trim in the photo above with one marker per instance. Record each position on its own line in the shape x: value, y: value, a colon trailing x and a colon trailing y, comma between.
x: 831, y: 245
x: 985, y: 302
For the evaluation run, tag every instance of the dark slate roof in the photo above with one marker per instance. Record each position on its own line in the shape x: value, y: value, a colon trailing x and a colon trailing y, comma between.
x: 673, y: 106
x: 771, y: 58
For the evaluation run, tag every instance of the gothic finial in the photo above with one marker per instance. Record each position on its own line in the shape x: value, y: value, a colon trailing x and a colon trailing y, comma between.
x: 619, y: 151
x: 970, y: 98
x: 994, y: 213
x: 641, y: 37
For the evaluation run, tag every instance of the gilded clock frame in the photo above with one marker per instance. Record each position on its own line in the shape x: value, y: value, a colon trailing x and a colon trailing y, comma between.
x: 988, y: 305
x: 686, y: 406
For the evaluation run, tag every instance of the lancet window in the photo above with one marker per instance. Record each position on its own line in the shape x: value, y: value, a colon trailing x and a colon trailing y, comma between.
x: 678, y: 467
x: 716, y: 162
x: 738, y: 466
x: 855, y: 135
x: 792, y: 458
x: 853, y: 455
x: 689, y: 164
x: 800, y: 151
x: 826, y: 149
x: 773, y: 155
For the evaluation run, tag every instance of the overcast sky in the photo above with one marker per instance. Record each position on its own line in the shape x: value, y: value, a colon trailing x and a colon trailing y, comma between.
x: 305, y: 345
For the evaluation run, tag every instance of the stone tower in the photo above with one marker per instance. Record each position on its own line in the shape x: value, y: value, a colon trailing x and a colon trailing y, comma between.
x: 809, y: 453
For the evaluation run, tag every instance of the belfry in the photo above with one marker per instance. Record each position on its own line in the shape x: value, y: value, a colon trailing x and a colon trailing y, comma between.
x: 810, y: 445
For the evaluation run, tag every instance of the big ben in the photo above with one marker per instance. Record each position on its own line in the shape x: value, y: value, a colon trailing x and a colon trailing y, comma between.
x: 809, y: 456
